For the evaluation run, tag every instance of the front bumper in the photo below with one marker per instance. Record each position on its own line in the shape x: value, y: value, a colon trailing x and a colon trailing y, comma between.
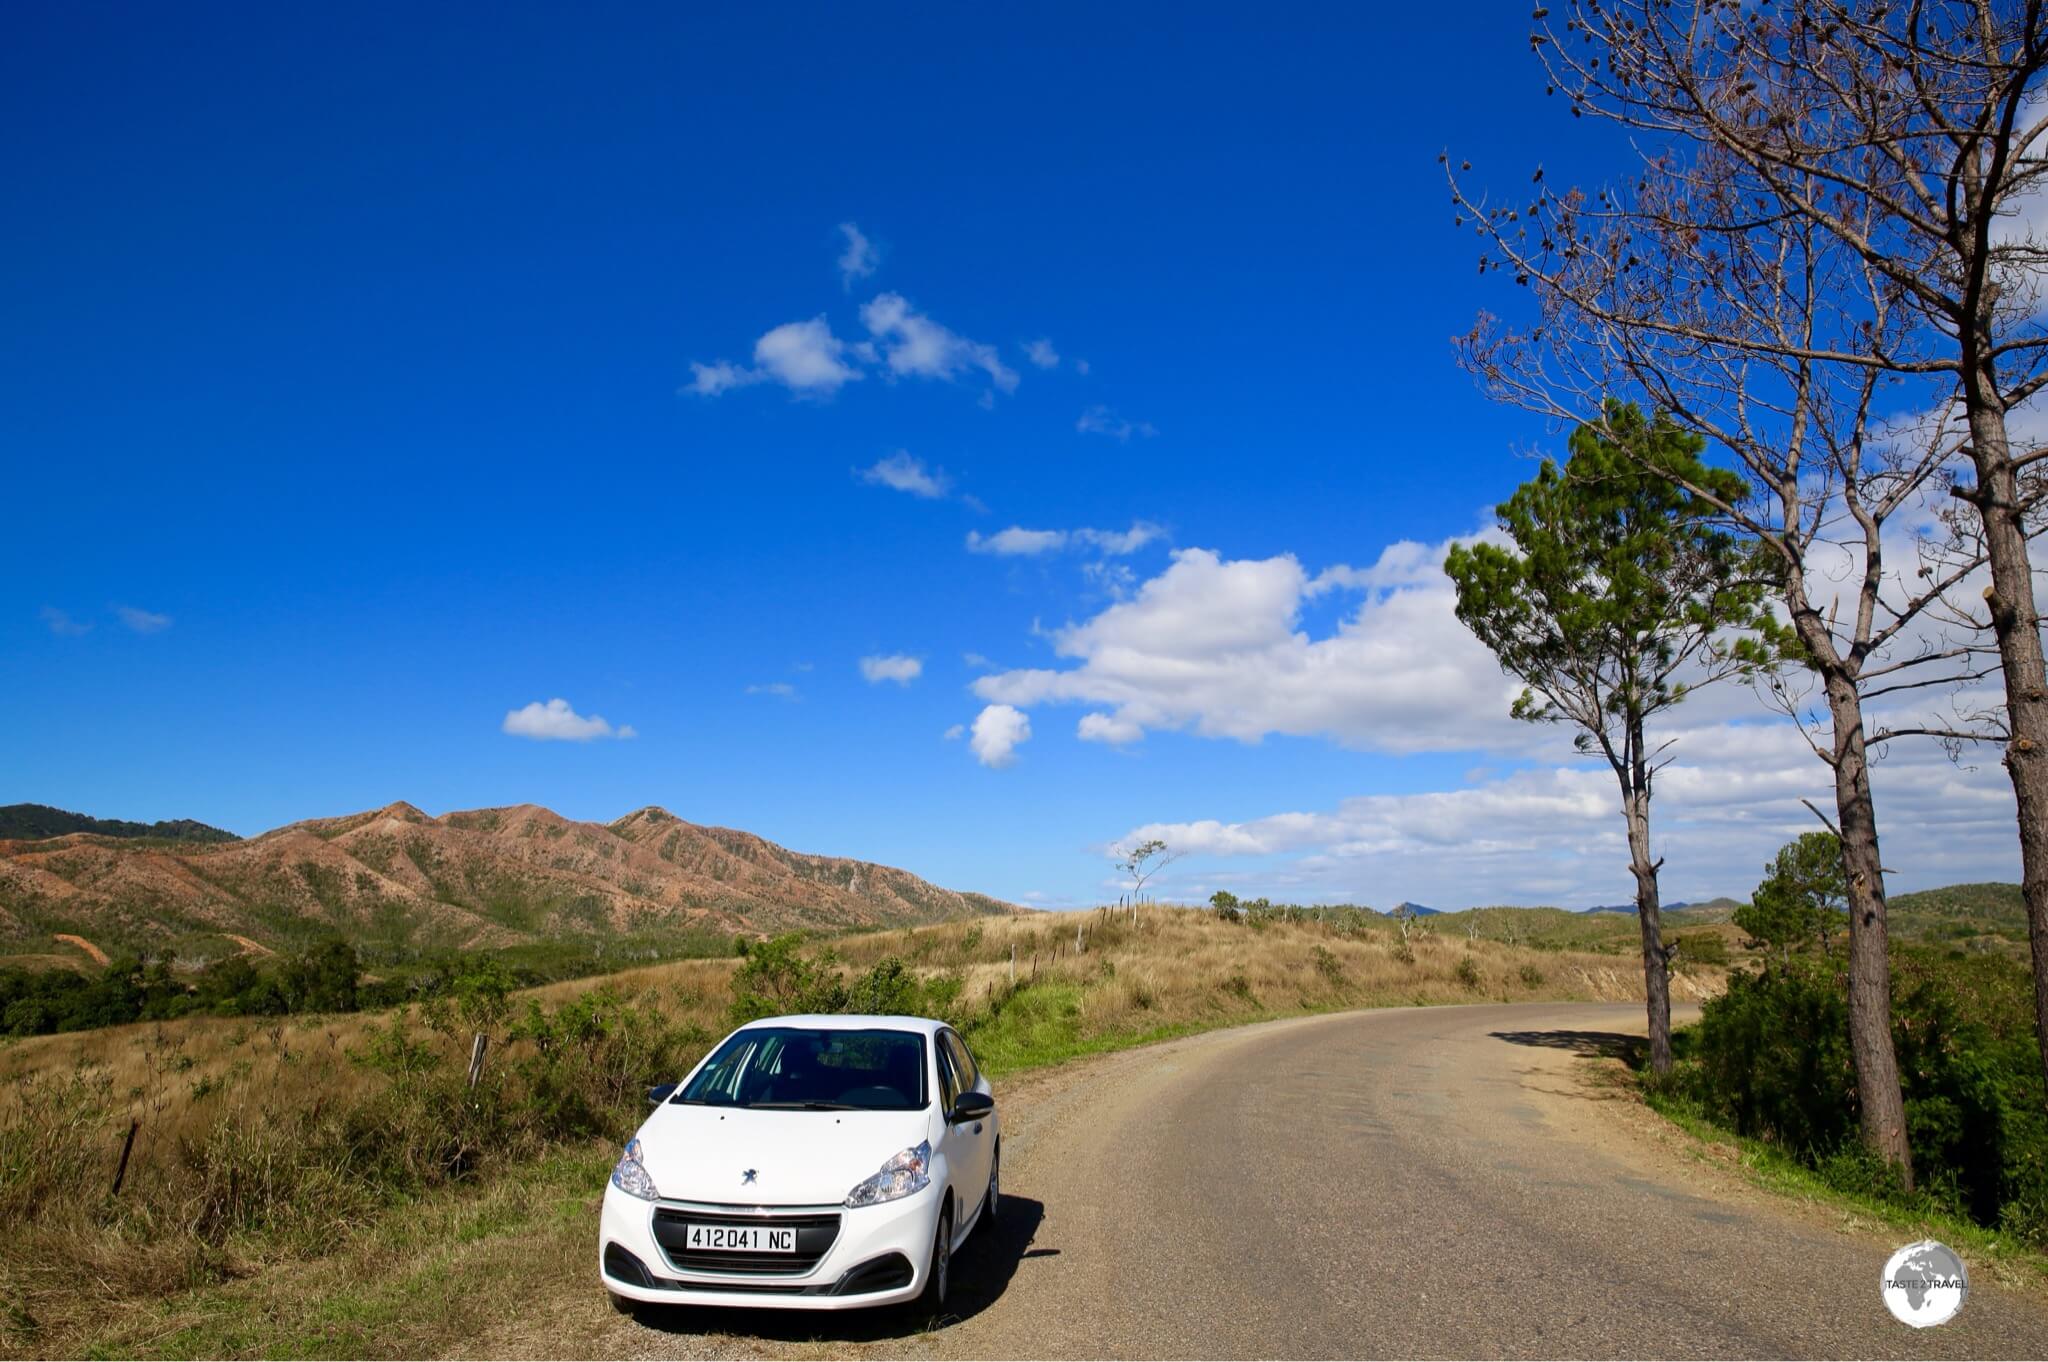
x: 879, y: 1255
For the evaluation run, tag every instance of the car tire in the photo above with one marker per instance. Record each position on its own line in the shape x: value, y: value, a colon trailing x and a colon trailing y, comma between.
x: 622, y: 1305
x: 939, y: 1271
x: 992, y: 1199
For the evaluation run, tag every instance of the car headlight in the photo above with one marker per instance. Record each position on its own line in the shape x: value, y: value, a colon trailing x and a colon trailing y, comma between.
x: 904, y: 1173
x: 630, y: 1176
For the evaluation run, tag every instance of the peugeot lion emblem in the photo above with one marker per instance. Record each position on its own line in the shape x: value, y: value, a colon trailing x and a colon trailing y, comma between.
x: 746, y: 1176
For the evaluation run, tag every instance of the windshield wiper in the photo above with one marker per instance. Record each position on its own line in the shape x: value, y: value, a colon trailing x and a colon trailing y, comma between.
x: 801, y: 1106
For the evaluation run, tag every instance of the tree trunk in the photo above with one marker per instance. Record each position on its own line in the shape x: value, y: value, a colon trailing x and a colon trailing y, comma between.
x: 1883, y: 1109
x: 1656, y: 965
x: 2018, y: 628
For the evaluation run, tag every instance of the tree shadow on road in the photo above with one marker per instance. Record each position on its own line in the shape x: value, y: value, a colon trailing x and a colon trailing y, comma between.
x: 981, y: 1272
x: 1592, y: 1044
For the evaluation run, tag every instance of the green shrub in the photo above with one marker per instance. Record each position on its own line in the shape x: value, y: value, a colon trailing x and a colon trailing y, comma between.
x: 1328, y: 965
x: 1467, y: 973
x: 1531, y: 977
x: 1700, y: 949
x: 1770, y: 1059
x: 1773, y: 1060
x: 779, y: 979
x: 887, y: 989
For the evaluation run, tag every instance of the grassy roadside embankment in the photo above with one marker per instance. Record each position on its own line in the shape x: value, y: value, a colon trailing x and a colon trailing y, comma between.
x: 1770, y: 1169
x: 329, y: 1186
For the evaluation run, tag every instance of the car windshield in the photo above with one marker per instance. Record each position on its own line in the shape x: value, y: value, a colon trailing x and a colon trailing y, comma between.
x: 796, y: 1069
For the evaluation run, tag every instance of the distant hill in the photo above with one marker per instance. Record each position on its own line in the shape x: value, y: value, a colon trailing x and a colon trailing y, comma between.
x: 1675, y: 906
x: 1970, y: 916
x: 482, y: 878
x: 1419, y: 910
x: 1996, y: 903
x: 35, y: 822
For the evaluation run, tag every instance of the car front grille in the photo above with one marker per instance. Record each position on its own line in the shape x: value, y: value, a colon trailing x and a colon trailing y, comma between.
x: 816, y: 1231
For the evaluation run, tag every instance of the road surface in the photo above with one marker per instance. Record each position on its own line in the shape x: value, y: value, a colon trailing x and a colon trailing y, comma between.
x: 1421, y: 1182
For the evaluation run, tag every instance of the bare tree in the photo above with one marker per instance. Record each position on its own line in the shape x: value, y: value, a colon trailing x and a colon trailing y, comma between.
x: 1913, y: 137
x: 1141, y: 861
x: 1755, y: 283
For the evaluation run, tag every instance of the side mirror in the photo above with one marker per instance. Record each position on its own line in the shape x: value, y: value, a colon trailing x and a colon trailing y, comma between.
x: 660, y: 1093
x: 971, y: 1106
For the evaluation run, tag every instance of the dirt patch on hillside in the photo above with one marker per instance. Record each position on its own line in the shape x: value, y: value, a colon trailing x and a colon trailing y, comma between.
x: 99, y: 957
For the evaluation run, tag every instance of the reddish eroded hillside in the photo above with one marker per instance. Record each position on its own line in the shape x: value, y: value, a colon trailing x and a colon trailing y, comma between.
x: 483, y: 877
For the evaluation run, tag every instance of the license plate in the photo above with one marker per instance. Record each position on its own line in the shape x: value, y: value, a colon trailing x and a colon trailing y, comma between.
x: 742, y: 1238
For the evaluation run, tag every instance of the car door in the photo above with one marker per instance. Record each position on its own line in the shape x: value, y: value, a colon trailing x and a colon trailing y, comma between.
x: 970, y: 1145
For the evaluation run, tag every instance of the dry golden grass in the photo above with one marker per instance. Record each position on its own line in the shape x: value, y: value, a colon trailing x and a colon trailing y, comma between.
x: 221, y: 1185
x: 1170, y: 968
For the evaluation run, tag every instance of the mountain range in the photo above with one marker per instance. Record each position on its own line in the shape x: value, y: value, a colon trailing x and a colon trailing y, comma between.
x: 475, y: 879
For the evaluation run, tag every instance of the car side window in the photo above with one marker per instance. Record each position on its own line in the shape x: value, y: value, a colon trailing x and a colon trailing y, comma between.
x: 963, y: 1060
x: 949, y: 1082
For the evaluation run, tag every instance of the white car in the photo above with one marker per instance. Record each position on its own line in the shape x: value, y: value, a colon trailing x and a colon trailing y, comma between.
x: 808, y: 1163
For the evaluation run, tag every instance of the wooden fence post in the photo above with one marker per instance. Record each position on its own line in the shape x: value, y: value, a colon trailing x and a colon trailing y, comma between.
x: 476, y: 1058
x: 1013, y: 964
x: 127, y: 1147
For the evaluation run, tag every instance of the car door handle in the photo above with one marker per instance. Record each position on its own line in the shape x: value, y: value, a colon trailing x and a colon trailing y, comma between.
x: 977, y: 1127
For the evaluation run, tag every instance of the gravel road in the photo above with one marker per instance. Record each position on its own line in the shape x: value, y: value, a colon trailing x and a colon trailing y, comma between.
x: 1422, y: 1182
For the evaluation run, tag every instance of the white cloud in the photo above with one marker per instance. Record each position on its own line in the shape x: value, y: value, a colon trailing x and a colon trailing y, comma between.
x: 859, y: 259
x: 804, y: 357
x: 907, y: 473
x: 955, y: 733
x: 555, y: 721
x: 898, y: 667
x: 142, y: 621
x: 709, y: 380
x: 1018, y: 542
x: 1041, y: 353
x: 61, y: 623
x: 1108, y: 728
x: 914, y: 345
x: 1554, y: 835
x: 1114, y: 580
x: 998, y: 731
x: 1216, y: 647
x: 1099, y: 420
x: 780, y: 689
x: 1118, y: 543
x: 1373, y: 657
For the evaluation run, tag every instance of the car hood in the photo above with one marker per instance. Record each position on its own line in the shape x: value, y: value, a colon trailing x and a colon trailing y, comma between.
x: 799, y: 1158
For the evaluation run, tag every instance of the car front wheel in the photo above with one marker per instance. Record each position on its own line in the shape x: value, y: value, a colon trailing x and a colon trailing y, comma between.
x: 992, y: 1201
x: 933, y: 1299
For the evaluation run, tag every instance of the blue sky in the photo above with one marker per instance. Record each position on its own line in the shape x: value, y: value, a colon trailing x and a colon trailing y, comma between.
x: 362, y: 388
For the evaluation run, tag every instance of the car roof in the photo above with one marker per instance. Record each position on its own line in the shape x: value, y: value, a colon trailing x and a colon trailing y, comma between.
x: 854, y: 1021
